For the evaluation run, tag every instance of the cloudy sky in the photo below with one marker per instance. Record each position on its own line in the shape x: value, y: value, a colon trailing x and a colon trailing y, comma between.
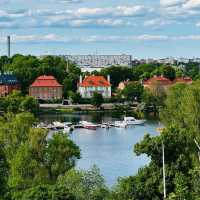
x: 142, y: 28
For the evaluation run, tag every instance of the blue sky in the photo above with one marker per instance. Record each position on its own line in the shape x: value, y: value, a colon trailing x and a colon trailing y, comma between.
x: 142, y: 28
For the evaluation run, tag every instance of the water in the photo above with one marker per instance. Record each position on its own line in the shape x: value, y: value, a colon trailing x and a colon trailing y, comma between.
x: 110, y: 149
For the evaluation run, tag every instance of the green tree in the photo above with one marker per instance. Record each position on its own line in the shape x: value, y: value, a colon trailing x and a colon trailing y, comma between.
x: 97, y: 99
x: 62, y: 154
x: 118, y: 74
x: 75, y: 97
x: 67, y: 86
x: 16, y: 102
x: 151, y: 102
x: 46, y: 192
x: 29, y: 104
x: 172, y: 112
x: 41, y: 161
x: 3, y: 172
x: 85, y: 184
x: 169, y: 72
x: 14, y: 130
x: 179, y: 163
x: 133, y: 91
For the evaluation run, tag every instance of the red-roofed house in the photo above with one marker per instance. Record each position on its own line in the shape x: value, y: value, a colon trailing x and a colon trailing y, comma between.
x: 186, y: 80
x: 46, y: 88
x: 161, y: 80
x: 165, y: 82
x: 92, y: 84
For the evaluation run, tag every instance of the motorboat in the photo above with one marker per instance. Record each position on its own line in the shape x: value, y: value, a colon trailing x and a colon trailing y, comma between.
x: 105, y: 125
x: 133, y: 121
x: 67, y: 127
x: 58, y: 125
x: 88, y: 125
x: 120, y: 124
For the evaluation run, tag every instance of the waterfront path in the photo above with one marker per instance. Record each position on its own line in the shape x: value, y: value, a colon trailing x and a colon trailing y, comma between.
x: 106, y: 106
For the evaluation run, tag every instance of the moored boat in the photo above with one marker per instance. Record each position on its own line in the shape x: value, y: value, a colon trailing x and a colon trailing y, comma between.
x: 67, y: 127
x: 120, y: 124
x: 58, y: 125
x: 88, y: 125
x: 133, y: 121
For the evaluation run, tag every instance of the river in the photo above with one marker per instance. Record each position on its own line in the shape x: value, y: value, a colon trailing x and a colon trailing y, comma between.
x: 110, y: 149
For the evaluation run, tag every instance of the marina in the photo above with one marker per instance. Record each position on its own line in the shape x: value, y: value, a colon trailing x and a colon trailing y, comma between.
x: 56, y: 125
x: 109, y: 147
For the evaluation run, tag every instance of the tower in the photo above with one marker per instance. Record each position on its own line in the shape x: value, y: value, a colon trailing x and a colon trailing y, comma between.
x: 8, y: 45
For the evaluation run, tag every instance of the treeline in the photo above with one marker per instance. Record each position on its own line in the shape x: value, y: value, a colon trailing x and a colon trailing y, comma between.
x: 28, y: 68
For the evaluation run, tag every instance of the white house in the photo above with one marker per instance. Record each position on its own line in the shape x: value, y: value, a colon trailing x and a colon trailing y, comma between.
x: 92, y: 84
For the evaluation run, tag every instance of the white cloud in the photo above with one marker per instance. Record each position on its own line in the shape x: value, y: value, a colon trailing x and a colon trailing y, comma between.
x: 95, y: 38
x: 192, y: 4
x: 169, y: 3
x: 108, y: 16
x: 123, y: 11
x: 157, y: 22
x: 70, y: 1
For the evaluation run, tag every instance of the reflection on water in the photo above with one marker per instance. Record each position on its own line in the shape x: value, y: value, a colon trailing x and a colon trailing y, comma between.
x: 110, y: 149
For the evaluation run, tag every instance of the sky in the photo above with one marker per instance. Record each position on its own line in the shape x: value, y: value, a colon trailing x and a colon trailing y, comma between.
x: 142, y: 28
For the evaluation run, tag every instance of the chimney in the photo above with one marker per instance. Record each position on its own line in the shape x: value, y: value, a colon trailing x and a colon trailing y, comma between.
x: 81, y: 79
x: 8, y: 45
x: 108, y: 78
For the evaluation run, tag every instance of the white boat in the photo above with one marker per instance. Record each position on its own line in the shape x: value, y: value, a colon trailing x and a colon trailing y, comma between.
x: 120, y: 124
x: 105, y: 125
x: 67, y: 127
x: 133, y: 121
x: 88, y: 125
x: 58, y: 125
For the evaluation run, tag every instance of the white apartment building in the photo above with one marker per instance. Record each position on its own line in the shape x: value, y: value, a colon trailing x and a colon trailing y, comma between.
x: 100, y: 60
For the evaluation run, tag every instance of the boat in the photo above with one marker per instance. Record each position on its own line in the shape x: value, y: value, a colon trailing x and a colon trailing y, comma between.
x: 67, y: 127
x: 58, y: 125
x: 88, y: 125
x: 120, y: 124
x: 133, y: 121
x: 105, y: 125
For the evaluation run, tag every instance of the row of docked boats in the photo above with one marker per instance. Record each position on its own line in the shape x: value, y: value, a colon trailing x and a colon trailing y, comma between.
x: 128, y: 121
x: 68, y: 126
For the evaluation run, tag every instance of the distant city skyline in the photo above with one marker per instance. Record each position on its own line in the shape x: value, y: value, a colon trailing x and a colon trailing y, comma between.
x: 141, y: 28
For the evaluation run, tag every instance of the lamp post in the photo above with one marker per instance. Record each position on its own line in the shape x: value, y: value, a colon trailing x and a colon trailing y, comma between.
x: 160, y: 130
x: 198, y: 146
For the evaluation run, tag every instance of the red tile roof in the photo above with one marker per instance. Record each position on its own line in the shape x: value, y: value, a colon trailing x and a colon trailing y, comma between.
x: 46, y: 81
x: 95, y: 81
x: 187, y: 80
x: 160, y: 79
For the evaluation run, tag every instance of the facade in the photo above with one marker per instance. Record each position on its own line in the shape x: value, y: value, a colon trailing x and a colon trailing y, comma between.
x: 8, y: 83
x: 100, y: 60
x: 92, y: 84
x: 46, y: 88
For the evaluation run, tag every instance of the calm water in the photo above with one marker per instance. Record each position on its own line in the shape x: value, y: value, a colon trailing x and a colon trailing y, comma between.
x: 111, y: 150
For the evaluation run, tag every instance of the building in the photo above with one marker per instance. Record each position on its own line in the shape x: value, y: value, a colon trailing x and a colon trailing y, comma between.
x: 90, y: 69
x: 123, y: 84
x: 161, y: 80
x: 92, y: 84
x: 186, y: 80
x: 165, y: 82
x: 8, y: 83
x: 100, y: 60
x: 46, y: 88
